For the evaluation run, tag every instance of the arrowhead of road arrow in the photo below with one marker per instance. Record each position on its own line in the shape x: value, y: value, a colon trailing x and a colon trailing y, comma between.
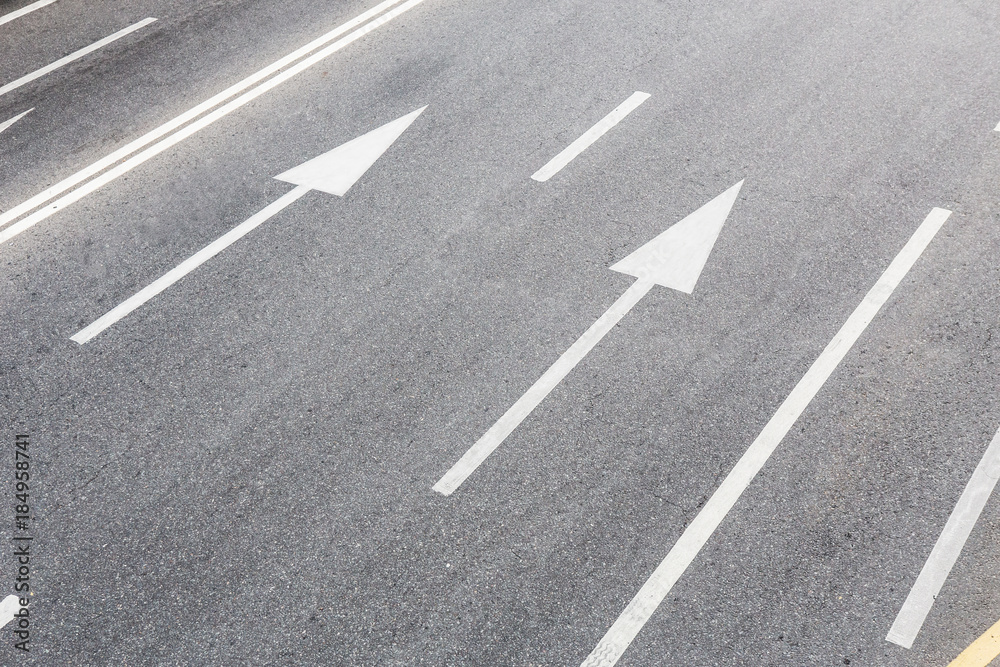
x: 334, y: 172
x: 676, y: 257
x: 8, y: 608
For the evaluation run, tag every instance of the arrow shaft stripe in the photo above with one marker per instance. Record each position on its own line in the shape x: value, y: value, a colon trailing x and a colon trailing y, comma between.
x: 553, y: 166
x: 186, y: 267
x: 538, y: 391
x: 641, y: 608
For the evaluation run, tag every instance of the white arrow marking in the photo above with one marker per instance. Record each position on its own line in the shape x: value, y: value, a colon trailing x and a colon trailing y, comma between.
x: 694, y: 537
x: 7, y: 18
x: 553, y: 166
x: 7, y: 123
x: 334, y: 172
x: 8, y: 609
x: 696, y: 234
x: 27, y: 78
x: 676, y: 257
x: 947, y: 549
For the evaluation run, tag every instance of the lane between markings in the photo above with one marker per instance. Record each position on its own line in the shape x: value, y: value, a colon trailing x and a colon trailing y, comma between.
x: 686, y: 549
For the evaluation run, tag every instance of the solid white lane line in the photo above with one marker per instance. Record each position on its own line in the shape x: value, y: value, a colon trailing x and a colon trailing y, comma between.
x: 538, y: 391
x: 6, y: 18
x: 4, y: 125
x: 947, y: 549
x: 694, y: 537
x: 203, y: 122
x: 186, y: 267
x: 76, y: 55
x: 589, y: 137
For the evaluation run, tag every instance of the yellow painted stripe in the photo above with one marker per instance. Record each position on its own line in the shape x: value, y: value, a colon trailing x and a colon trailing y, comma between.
x: 982, y: 651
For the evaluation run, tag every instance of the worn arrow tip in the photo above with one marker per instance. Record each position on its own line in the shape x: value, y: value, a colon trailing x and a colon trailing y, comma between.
x: 4, y: 125
x: 676, y: 257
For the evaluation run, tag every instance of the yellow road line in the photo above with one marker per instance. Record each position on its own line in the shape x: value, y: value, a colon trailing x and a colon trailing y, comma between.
x: 982, y: 651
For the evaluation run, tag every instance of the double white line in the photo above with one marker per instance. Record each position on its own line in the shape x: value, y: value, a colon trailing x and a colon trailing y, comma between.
x: 100, y: 173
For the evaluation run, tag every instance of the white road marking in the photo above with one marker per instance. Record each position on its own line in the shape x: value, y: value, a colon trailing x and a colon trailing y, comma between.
x: 997, y: 128
x: 947, y: 549
x: 478, y: 453
x: 694, y: 537
x: 336, y: 171
x: 7, y: 123
x: 6, y: 18
x: 673, y: 259
x: 76, y: 55
x: 9, y: 608
x: 333, y: 172
x: 186, y: 267
x: 120, y: 158
x: 676, y: 257
x: 589, y: 137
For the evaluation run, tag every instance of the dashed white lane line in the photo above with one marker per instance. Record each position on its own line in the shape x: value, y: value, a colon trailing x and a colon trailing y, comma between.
x: 186, y: 267
x: 76, y: 55
x: 590, y: 136
x: 947, y: 549
x: 157, y: 140
x: 8, y: 609
x: 7, y: 123
x: 6, y: 18
x: 641, y: 608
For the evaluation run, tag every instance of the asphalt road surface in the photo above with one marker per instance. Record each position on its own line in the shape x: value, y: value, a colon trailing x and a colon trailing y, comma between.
x: 245, y: 466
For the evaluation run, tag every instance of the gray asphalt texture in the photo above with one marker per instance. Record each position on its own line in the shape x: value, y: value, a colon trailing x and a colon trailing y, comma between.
x: 240, y: 471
